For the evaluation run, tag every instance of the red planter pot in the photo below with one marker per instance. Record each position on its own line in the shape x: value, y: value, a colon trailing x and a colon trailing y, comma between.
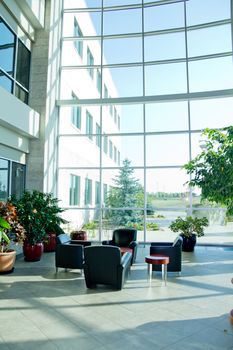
x: 50, y: 242
x: 33, y: 252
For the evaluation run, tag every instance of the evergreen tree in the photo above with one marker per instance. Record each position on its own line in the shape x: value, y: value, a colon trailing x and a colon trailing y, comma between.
x: 127, y: 193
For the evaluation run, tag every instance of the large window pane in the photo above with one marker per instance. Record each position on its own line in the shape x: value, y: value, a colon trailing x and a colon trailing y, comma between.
x: 74, y: 58
x: 122, y: 50
x: 212, y: 74
x: 167, y: 149
x: 164, y: 17
x: 6, y: 82
x: 7, y: 48
x: 78, y: 151
x: 130, y: 147
x: 209, y: 40
x: 199, y: 11
x: 166, y: 79
x: 121, y: 2
x: 80, y: 82
x: 166, y: 116
x: 89, y: 23
x: 18, y: 179
x: 166, y: 46
x: 4, y: 179
x: 211, y: 113
x: 130, y: 21
x: 23, y: 65
x: 122, y: 77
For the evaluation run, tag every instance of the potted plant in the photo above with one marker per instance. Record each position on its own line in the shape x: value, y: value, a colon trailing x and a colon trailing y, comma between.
x: 53, y: 222
x: 10, y: 231
x: 37, y: 212
x: 190, y: 229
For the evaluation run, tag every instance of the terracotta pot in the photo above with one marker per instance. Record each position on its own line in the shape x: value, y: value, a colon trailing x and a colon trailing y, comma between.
x: 50, y: 242
x: 7, y: 261
x: 33, y: 252
x: 79, y: 235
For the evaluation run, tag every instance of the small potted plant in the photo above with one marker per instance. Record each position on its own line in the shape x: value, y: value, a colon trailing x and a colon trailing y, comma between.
x: 189, y: 228
x: 10, y: 231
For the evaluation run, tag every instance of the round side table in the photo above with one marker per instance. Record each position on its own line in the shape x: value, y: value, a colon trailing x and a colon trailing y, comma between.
x: 157, y: 259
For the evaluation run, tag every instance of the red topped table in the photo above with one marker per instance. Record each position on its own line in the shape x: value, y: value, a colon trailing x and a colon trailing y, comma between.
x: 157, y: 259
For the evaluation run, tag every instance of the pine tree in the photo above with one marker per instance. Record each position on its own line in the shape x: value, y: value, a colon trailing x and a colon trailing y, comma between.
x: 126, y: 193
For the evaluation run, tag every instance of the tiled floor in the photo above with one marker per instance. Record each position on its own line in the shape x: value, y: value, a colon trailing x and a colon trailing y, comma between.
x: 39, y: 310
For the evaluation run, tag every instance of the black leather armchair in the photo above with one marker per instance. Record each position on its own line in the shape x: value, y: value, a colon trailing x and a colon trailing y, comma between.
x: 173, y: 250
x: 69, y: 253
x: 124, y: 237
x: 104, y: 265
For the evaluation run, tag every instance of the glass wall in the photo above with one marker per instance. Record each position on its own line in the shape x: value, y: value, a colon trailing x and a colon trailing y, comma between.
x: 152, y: 75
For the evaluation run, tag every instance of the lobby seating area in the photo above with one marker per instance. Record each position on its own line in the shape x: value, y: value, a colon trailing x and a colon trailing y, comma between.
x: 42, y: 309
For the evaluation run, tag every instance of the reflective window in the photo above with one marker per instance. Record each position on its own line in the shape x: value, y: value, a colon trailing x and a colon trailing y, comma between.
x: 4, y: 179
x: 210, y: 40
x: 78, y: 44
x: 18, y: 179
x: 7, y: 48
x: 215, y: 73
x: 164, y: 17
x: 23, y: 65
x: 14, y: 62
x: 88, y: 191
x: 199, y: 11
x: 74, y: 190
x: 6, y: 82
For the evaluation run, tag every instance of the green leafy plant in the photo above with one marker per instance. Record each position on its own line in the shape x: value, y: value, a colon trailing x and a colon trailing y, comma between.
x: 189, y: 226
x: 212, y: 169
x: 38, y: 212
x: 10, y: 228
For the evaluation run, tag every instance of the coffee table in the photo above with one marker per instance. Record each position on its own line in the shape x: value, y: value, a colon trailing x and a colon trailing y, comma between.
x: 157, y: 259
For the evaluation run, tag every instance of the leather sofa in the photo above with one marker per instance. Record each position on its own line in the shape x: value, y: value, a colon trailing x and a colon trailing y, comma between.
x: 105, y: 265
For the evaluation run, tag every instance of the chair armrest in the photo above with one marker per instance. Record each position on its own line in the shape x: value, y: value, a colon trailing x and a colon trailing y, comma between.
x: 133, y: 244
x: 108, y: 242
x: 126, y: 258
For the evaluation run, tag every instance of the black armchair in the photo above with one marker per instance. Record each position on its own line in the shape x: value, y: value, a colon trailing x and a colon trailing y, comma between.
x: 124, y: 237
x: 173, y: 250
x: 69, y: 253
x: 105, y: 265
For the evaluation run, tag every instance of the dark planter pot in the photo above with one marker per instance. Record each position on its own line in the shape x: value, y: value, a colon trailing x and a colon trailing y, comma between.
x: 50, y: 242
x: 33, y: 252
x: 189, y: 243
x: 79, y: 235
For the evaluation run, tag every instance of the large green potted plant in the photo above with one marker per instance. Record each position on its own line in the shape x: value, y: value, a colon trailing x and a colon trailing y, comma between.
x: 10, y: 231
x: 212, y: 169
x: 190, y: 228
x: 38, y: 213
